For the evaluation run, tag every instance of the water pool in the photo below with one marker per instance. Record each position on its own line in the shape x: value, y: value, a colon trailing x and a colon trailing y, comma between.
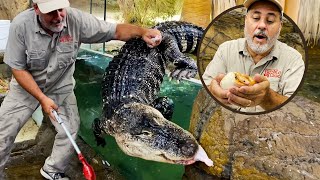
x: 88, y: 77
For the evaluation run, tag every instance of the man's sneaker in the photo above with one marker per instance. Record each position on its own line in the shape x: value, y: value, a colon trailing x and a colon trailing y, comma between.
x: 53, y: 175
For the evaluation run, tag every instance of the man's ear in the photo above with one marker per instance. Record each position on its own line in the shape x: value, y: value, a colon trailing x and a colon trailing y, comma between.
x: 246, y: 16
x: 281, y: 24
x: 36, y: 9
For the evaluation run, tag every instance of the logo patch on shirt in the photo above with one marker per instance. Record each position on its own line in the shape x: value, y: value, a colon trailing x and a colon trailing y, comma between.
x: 66, y: 38
x: 272, y: 73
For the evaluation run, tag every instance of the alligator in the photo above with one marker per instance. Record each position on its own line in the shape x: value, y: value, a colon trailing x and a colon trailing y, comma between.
x: 132, y: 112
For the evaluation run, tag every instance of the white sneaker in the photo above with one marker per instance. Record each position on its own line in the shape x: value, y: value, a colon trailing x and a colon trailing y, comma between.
x: 53, y: 175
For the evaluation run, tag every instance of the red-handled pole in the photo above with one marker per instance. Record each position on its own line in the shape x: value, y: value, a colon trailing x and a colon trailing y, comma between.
x: 88, y: 171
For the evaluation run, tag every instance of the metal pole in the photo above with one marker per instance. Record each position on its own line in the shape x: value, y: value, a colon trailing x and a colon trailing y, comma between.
x: 212, y: 9
x: 104, y: 18
x: 59, y: 120
x: 105, y: 10
x: 90, y: 13
x: 90, y: 7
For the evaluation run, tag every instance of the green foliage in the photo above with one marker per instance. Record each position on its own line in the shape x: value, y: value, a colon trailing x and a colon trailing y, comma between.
x: 149, y: 12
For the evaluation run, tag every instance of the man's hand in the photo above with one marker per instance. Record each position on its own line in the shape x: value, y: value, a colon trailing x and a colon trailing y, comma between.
x: 125, y: 32
x: 217, y: 91
x: 48, y: 105
x: 249, y: 96
x: 152, y: 37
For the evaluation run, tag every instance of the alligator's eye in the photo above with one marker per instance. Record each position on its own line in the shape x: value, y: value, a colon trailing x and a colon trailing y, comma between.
x: 155, y: 122
x: 148, y: 121
x: 146, y: 133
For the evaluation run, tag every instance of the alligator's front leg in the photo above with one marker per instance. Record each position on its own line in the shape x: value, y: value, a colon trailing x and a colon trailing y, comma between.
x: 165, y: 105
x: 97, y: 131
x: 185, y: 66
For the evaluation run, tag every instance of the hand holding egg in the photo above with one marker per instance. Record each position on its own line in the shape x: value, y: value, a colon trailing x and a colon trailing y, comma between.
x: 236, y: 79
x: 247, y: 91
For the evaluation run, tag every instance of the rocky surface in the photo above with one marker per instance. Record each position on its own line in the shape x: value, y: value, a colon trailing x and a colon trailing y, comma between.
x: 5, y: 74
x: 29, y: 131
x: 283, y: 144
x: 28, y: 157
x: 10, y: 8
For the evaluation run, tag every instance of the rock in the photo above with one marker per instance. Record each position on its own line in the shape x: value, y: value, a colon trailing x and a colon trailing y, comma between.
x: 195, y: 173
x: 28, y: 131
x: 283, y: 144
x: 10, y: 8
x: 5, y: 74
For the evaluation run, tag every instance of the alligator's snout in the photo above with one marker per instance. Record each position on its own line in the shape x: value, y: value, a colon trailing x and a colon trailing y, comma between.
x: 189, y: 148
x: 142, y: 131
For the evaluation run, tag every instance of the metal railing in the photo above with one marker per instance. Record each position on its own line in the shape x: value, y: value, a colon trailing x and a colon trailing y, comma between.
x: 104, y: 18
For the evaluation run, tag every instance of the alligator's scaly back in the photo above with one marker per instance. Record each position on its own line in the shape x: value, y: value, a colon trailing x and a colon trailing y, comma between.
x: 134, y: 75
x: 130, y: 86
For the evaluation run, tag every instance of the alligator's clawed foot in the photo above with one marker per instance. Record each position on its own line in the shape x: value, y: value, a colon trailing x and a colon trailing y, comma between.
x: 97, y: 133
x: 100, y: 141
x: 185, y: 68
x: 183, y: 73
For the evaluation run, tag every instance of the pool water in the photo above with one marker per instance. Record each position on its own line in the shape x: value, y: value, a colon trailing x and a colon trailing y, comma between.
x: 88, y: 77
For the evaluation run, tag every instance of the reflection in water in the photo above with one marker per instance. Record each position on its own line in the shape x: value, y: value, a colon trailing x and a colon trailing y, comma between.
x: 88, y: 89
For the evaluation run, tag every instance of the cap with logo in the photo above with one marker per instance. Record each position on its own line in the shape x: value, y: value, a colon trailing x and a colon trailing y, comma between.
x: 46, y: 6
x: 248, y: 3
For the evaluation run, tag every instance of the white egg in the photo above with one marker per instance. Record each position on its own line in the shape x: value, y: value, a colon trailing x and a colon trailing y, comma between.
x: 228, y: 80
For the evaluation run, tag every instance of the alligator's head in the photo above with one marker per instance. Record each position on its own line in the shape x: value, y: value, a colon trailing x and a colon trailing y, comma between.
x: 142, y: 131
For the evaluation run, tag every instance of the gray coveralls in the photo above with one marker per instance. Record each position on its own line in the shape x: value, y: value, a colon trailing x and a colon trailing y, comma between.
x: 51, y: 62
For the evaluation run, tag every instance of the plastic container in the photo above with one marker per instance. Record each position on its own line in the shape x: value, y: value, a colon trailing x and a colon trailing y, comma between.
x: 4, y: 33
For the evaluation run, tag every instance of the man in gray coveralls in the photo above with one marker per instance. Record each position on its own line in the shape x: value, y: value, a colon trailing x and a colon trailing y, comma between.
x: 41, y: 51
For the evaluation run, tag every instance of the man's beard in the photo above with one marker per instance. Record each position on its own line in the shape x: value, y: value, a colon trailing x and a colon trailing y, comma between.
x: 52, y: 28
x: 257, y: 48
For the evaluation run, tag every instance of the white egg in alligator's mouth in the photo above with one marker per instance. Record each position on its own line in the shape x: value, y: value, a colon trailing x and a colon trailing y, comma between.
x: 236, y: 79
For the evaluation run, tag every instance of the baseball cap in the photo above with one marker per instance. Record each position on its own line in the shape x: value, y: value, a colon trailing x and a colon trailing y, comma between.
x: 248, y: 3
x: 46, y: 6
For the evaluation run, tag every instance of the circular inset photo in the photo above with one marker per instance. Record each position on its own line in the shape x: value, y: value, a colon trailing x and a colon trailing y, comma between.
x: 252, y: 59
